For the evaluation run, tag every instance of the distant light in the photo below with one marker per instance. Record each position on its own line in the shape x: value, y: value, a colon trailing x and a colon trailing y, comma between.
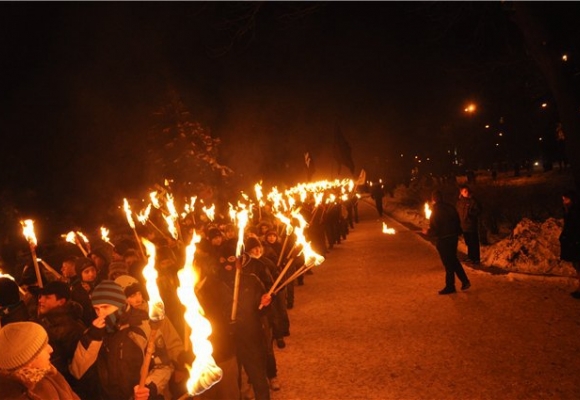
x: 401, y: 154
x: 428, y: 158
x: 544, y: 105
x: 565, y: 57
x: 487, y: 127
x: 541, y: 139
x: 470, y: 108
x: 497, y: 145
x: 500, y: 134
x: 536, y: 163
x: 416, y: 157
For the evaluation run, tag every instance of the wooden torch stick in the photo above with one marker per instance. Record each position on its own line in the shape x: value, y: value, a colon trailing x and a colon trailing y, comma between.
x: 280, y: 276
x: 36, y: 267
x: 51, y: 270
x: 148, y: 353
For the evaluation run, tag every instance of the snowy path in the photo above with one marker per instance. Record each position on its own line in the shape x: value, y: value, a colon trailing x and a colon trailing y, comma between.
x: 369, y: 324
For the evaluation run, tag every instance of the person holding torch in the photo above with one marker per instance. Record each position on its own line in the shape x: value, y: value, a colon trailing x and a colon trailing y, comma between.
x: 445, y: 226
x: 116, y: 346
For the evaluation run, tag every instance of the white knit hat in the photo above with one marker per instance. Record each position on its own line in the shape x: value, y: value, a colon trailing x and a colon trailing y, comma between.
x: 20, y: 343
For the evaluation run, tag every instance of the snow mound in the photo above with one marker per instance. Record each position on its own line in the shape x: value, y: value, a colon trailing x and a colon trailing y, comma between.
x: 532, y: 248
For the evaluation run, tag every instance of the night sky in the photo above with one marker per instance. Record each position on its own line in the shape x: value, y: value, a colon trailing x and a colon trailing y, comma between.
x: 80, y: 83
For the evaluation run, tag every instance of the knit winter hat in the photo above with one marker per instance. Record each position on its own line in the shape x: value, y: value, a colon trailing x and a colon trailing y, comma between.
x: 251, y: 242
x: 118, y: 268
x: 129, y: 284
x: 109, y: 292
x: 60, y: 289
x: 83, y: 263
x: 9, y: 294
x: 20, y: 343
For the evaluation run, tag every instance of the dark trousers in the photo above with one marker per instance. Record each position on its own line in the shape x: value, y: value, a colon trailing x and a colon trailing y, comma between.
x: 252, y: 355
x: 447, y: 248
x: 472, y: 243
x: 379, y: 204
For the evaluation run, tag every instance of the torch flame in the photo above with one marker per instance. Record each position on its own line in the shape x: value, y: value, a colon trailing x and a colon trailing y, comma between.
x: 172, y: 218
x: 204, y: 372
x: 82, y: 236
x: 427, y: 211
x: 242, y: 217
x: 28, y: 231
x: 105, y: 235
x: 143, y: 216
x: 310, y: 256
x: 156, y: 307
x: 128, y: 213
x: 387, y: 230
x: 154, y: 200
x: 71, y: 237
x: 210, y: 212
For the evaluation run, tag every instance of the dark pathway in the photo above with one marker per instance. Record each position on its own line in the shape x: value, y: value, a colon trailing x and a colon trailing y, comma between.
x: 369, y: 324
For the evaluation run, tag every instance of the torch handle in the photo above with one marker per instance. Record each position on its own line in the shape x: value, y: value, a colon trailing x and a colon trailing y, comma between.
x: 36, y: 267
x: 147, y: 357
x: 300, y: 271
x: 282, y: 251
x: 236, y: 289
x: 80, y: 246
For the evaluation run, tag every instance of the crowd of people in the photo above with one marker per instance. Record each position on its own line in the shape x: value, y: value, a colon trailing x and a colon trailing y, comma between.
x: 92, y: 320
x: 89, y: 334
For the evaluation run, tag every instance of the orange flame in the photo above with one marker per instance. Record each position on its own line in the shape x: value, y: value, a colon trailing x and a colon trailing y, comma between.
x: 143, y: 216
x: 105, y: 235
x: 71, y: 237
x: 387, y: 230
x: 156, y: 307
x: 210, y: 212
x: 82, y: 236
x: 128, y: 213
x: 427, y: 211
x: 204, y: 372
x: 154, y: 200
x: 242, y: 218
x: 171, y: 219
x: 311, y: 258
x: 28, y: 231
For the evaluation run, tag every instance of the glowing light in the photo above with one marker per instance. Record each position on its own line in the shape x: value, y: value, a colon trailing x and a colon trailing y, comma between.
x: 427, y: 210
x: 28, y: 231
x: 156, y: 307
x: 128, y: 213
x: 470, y: 108
x: 204, y: 372
x: 387, y: 230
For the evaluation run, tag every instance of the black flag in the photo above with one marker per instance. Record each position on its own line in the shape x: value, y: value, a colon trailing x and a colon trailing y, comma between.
x: 342, y: 151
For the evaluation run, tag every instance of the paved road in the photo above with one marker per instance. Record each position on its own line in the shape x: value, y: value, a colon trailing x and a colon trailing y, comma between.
x: 369, y: 324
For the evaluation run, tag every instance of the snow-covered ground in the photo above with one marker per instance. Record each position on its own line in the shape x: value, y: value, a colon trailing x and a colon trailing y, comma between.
x: 531, y: 248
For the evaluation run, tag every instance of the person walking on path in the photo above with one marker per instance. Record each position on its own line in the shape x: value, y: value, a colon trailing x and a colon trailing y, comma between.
x: 570, y: 236
x: 377, y: 194
x: 444, y: 225
x: 469, y: 209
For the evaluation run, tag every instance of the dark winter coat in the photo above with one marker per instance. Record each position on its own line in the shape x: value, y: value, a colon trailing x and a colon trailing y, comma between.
x: 64, y: 327
x: 444, y: 221
x: 469, y: 210
x: 15, y: 313
x: 570, y: 236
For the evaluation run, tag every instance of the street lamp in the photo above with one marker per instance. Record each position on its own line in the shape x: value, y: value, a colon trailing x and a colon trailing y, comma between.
x: 471, y: 107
